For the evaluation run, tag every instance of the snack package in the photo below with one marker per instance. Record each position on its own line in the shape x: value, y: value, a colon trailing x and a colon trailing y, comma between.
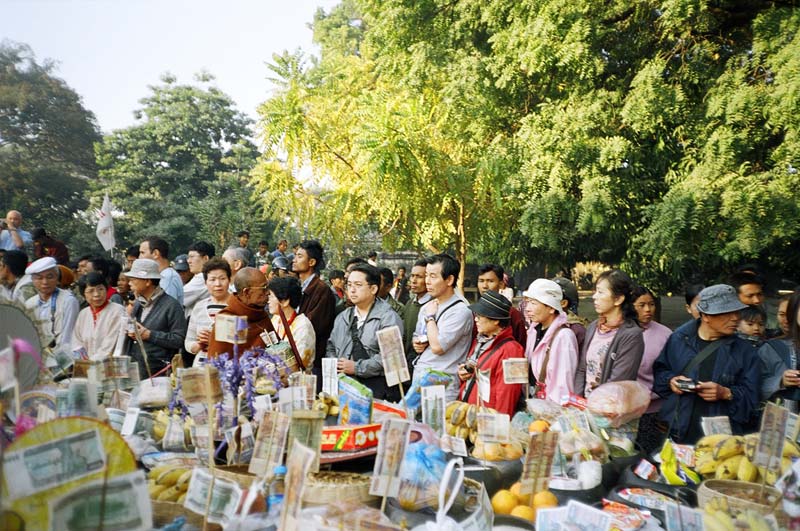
x: 625, y: 518
x: 543, y: 409
x: 420, y: 474
x: 345, y: 515
x: 355, y: 402
x: 619, y: 402
x: 427, y: 378
x: 155, y: 392
x: 582, y: 442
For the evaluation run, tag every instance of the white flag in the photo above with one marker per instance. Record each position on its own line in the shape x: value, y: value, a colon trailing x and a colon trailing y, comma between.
x: 105, y: 226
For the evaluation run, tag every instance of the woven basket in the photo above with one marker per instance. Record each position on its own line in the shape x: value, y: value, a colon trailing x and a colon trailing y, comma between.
x: 166, y: 512
x: 236, y: 473
x: 323, y: 488
x: 740, y: 495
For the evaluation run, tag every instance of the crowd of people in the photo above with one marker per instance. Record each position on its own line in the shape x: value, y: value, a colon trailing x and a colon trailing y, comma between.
x: 723, y: 361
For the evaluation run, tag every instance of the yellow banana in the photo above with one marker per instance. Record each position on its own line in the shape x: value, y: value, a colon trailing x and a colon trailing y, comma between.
x: 183, y: 481
x: 747, y: 470
x: 157, y: 471
x: 473, y: 435
x: 170, y: 477
x: 707, y: 443
x: 459, y: 414
x: 790, y: 449
x: 712, y: 523
x: 750, y: 445
x: 451, y: 429
x: 155, y: 490
x: 462, y: 432
x: 448, y: 410
x: 181, y: 498
x: 472, y: 416
x: 333, y: 410
x: 729, y: 447
x: 706, y: 464
x: 170, y: 494
x: 729, y: 467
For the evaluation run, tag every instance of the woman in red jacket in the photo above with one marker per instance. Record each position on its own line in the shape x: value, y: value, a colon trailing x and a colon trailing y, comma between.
x: 494, y: 343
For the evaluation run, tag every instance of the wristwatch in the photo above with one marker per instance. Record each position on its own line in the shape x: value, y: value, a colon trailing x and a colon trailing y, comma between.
x: 429, y: 318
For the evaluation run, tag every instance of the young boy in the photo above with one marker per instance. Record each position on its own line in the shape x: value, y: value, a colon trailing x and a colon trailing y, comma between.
x: 774, y: 361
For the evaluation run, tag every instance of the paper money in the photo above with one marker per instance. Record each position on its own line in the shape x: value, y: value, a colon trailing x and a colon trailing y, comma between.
x: 682, y: 518
x: 433, y: 399
x: 137, y: 421
x: 454, y: 445
x: 174, y: 439
x: 515, y: 371
x: 494, y: 427
x: 194, y: 385
x: 247, y: 442
x: 392, y: 443
x: 484, y: 385
x: 116, y: 367
x: 714, y: 425
x: 538, y: 464
x: 309, y: 381
x: 770, y: 439
x: 306, y: 428
x: 122, y: 501
x: 225, y: 496
x: 230, y: 329
x: 330, y: 381
x: 550, y: 519
x: 270, y: 443
x: 395, y: 364
x: 585, y: 517
x: 294, y: 398
x: 81, y: 398
x: 298, y: 465
x: 44, y: 466
x: 8, y: 378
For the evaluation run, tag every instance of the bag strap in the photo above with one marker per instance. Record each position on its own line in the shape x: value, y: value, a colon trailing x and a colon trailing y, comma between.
x: 445, y: 310
x: 292, y: 344
x: 689, y: 367
x: 543, y: 370
x: 471, y: 383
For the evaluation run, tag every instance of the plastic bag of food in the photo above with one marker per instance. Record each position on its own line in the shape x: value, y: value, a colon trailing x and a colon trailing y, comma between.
x: 585, y: 443
x: 543, y: 409
x: 420, y: 475
x: 344, y: 515
x: 427, y: 378
x: 619, y: 402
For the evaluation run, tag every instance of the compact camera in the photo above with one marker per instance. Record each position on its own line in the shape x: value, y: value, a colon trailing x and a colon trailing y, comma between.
x: 686, y: 385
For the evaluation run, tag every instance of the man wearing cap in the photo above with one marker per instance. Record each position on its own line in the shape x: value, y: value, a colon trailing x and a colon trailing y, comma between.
x: 493, y: 344
x: 354, y: 339
x: 195, y: 289
x: 552, y: 348
x: 444, y: 327
x: 491, y: 277
x: 12, y: 237
x: 14, y: 283
x: 159, y: 318
x: 705, y: 370
x: 249, y: 302
x: 55, y: 309
x: 155, y: 248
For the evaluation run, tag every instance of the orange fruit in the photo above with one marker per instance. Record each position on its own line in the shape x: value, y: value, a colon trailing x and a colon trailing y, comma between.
x: 524, y: 512
x: 504, y: 501
x: 545, y: 498
x: 524, y: 499
x: 538, y: 426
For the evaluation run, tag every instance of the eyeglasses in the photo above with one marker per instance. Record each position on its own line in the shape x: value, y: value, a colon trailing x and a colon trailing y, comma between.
x: 264, y: 287
x: 356, y: 285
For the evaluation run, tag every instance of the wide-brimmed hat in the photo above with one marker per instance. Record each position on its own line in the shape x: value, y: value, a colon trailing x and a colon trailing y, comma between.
x: 719, y: 299
x: 181, y: 263
x: 492, y: 305
x: 545, y: 291
x: 41, y: 265
x: 144, y: 268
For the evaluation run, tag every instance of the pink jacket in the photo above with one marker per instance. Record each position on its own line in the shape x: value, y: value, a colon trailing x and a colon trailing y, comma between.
x: 655, y: 337
x: 563, y: 362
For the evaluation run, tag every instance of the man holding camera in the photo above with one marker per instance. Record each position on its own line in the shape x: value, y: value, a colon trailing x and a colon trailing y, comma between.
x: 705, y: 370
x: 12, y: 237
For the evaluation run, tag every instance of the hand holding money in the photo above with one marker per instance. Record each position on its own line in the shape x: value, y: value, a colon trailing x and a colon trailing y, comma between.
x: 144, y: 333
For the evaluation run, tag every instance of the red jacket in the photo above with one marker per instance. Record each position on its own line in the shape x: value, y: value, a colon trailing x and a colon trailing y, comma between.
x: 504, y: 397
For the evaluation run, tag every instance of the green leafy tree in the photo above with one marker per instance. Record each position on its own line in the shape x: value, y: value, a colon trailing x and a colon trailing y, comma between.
x: 177, y: 173
x: 46, y: 147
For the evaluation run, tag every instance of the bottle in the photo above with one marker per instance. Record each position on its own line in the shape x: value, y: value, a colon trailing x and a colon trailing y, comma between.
x: 276, y: 491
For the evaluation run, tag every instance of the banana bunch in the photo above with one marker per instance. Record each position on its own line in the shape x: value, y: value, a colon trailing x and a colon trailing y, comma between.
x: 169, y: 483
x: 160, y: 424
x: 327, y: 403
x: 717, y: 516
x: 462, y: 419
x: 724, y: 456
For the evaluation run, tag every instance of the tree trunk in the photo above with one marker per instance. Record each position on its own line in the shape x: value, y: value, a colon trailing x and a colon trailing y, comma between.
x: 461, y: 247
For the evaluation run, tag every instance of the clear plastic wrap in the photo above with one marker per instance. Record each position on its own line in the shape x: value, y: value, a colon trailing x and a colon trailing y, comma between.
x: 618, y: 402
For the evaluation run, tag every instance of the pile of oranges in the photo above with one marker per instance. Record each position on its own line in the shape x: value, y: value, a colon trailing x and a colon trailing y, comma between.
x: 512, y: 502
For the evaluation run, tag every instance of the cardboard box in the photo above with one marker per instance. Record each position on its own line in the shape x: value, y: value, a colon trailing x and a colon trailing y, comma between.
x: 349, y: 438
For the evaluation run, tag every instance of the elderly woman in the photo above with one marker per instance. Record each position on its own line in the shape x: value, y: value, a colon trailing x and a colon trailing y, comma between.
x: 284, y: 296
x: 217, y: 277
x: 100, y: 327
x: 614, y: 344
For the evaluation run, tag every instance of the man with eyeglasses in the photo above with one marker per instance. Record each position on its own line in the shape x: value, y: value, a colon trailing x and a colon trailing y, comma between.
x: 55, y: 309
x: 354, y: 340
x: 249, y: 302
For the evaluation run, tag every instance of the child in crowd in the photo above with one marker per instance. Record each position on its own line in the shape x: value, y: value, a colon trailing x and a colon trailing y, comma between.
x: 774, y: 361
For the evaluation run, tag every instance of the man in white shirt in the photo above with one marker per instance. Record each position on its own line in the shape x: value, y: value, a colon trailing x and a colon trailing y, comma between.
x: 157, y: 249
x: 444, y: 325
x: 195, y: 290
x: 56, y: 309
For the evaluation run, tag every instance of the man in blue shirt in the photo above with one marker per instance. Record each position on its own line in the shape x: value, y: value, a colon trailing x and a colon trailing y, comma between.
x: 12, y: 237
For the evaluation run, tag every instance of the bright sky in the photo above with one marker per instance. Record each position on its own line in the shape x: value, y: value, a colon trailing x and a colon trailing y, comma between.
x: 109, y: 51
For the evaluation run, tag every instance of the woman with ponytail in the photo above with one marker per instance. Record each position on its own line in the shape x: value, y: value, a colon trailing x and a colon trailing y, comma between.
x: 613, y: 348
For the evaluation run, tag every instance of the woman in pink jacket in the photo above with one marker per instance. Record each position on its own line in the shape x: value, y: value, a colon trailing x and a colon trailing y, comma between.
x: 552, y: 348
